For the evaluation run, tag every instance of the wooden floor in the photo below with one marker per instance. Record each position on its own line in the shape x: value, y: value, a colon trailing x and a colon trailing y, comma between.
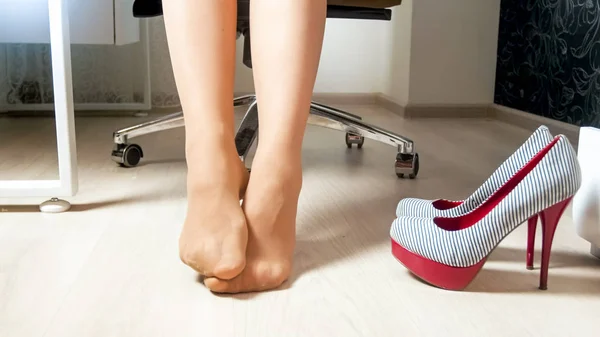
x: 110, y: 267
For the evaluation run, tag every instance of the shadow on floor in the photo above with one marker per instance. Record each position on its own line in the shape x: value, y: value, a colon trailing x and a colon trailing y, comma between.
x: 504, y: 281
x: 558, y: 259
x: 160, y: 161
x: 74, y: 208
x: 344, y: 241
x: 142, y: 197
x: 344, y: 237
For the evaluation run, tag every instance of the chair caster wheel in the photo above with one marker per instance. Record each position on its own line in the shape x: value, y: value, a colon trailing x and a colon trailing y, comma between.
x: 352, y: 138
x: 127, y: 155
x: 407, y: 164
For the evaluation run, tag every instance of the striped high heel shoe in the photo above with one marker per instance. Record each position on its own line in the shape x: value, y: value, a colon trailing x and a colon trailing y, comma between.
x: 442, y: 207
x: 451, y: 208
x: 449, y: 251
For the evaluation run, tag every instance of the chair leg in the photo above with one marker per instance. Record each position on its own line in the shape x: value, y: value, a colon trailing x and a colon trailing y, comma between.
x: 407, y: 160
x: 244, y: 100
x: 338, y: 111
x: 248, y: 131
x: 168, y: 122
x: 129, y: 155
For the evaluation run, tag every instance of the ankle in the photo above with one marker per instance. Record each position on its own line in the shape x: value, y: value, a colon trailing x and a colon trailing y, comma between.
x: 211, y: 144
x: 215, y: 169
x: 278, y: 168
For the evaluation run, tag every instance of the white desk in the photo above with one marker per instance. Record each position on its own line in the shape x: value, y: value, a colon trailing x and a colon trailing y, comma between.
x: 67, y: 184
x: 99, y: 22
x: 92, y: 22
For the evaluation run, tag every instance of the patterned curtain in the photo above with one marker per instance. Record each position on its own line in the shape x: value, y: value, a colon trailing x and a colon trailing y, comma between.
x: 101, y: 74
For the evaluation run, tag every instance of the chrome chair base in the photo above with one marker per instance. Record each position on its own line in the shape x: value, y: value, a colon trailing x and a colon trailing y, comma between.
x: 406, y: 164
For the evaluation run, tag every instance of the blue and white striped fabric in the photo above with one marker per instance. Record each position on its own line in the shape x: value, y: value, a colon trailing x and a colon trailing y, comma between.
x: 556, y: 178
x: 425, y: 208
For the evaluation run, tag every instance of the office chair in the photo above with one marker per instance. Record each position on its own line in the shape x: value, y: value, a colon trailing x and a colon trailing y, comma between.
x: 407, y: 160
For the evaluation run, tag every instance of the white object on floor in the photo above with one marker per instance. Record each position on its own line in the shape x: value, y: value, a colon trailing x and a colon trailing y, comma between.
x: 586, y: 204
x: 67, y: 184
x: 55, y: 205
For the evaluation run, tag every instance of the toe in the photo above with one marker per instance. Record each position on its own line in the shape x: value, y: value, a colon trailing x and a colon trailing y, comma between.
x: 220, y: 286
x: 230, y: 266
x: 233, y: 256
x: 258, y: 277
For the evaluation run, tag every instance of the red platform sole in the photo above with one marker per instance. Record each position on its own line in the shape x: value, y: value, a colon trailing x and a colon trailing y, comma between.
x: 434, y: 273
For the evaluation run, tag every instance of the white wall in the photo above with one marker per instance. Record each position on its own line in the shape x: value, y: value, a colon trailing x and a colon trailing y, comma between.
x: 453, y: 52
x: 441, y: 53
x: 396, y: 76
x: 354, y: 58
x: 432, y: 53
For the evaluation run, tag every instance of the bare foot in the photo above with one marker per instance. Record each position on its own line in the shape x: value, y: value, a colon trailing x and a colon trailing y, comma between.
x: 270, y: 205
x: 214, y: 236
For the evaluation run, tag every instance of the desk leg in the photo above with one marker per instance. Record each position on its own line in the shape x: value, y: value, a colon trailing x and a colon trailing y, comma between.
x: 66, y: 185
x: 60, y: 42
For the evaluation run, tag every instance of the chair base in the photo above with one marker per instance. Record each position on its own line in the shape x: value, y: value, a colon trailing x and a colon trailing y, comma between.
x: 406, y: 163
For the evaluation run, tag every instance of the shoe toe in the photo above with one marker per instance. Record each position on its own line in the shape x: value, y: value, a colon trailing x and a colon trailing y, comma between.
x: 406, y: 231
x: 414, y: 207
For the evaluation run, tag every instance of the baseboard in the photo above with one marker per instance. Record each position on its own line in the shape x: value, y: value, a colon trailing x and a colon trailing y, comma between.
x: 449, y: 111
x: 435, y: 111
x: 409, y: 111
x: 391, y: 104
x: 492, y: 111
x: 346, y: 98
x: 531, y: 122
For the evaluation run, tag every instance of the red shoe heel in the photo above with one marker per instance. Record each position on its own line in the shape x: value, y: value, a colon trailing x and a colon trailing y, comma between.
x: 550, y: 219
x: 531, y: 228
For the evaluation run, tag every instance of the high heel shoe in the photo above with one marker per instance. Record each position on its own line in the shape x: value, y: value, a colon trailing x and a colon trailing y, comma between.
x: 443, y: 207
x: 451, y: 208
x: 448, y: 252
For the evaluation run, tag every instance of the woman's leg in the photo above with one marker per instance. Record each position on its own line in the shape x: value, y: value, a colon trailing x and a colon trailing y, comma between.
x: 287, y: 36
x: 201, y: 37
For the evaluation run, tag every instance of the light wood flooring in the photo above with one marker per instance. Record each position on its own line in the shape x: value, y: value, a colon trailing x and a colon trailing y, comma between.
x: 110, y: 266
